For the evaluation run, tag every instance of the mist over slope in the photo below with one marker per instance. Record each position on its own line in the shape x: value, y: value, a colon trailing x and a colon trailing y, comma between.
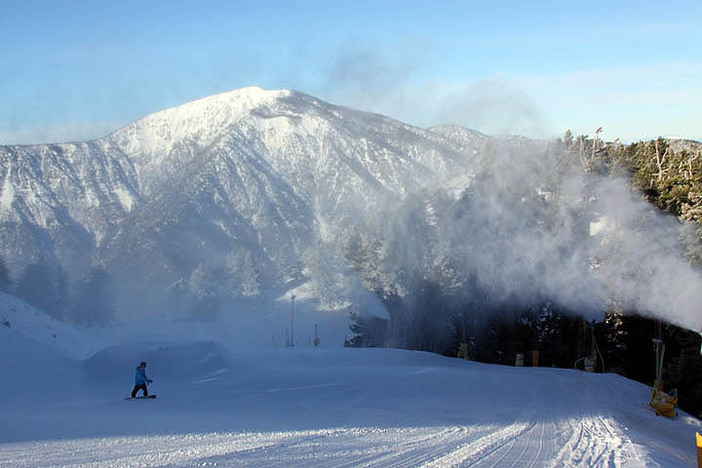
x: 252, y: 193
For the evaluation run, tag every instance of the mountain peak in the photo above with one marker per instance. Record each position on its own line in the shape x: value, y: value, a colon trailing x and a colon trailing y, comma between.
x: 202, y: 120
x: 237, y: 99
x: 242, y: 98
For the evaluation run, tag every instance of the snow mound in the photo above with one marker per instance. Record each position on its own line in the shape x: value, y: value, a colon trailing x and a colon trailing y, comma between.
x: 30, y: 368
x: 174, y: 363
x: 36, y: 325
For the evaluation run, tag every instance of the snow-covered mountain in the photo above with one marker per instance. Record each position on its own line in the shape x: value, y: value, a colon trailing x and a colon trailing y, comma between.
x: 228, y: 192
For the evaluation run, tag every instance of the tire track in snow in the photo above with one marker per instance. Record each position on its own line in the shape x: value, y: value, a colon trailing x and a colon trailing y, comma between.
x: 404, y: 447
x: 152, y: 450
x: 528, y: 449
x: 588, y: 440
x: 593, y: 441
x: 395, y: 447
x: 534, y: 447
x: 376, y: 447
x: 353, y: 447
x: 472, y: 451
x: 537, y: 457
x: 496, y: 459
x: 527, y: 441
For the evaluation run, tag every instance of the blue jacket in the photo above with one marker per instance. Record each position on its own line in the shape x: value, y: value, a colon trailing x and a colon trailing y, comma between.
x: 140, y: 377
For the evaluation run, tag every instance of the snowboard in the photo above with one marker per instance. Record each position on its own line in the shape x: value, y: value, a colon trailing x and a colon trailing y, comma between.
x: 150, y: 397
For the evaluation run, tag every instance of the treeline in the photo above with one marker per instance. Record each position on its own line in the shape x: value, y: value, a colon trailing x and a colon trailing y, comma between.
x: 669, y: 175
x: 439, y: 306
x: 92, y: 298
x: 45, y: 287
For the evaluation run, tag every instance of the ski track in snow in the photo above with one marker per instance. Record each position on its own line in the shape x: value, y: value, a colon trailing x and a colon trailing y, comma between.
x: 587, y: 442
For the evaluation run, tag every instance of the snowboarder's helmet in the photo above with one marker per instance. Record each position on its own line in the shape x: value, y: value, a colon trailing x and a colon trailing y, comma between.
x: 142, y: 364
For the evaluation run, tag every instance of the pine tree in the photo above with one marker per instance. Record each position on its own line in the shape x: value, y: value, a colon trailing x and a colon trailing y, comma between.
x: 568, y: 138
x: 45, y: 288
x: 5, y: 281
x: 367, y: 332
x: 96, y: 301
x: 244, y: 273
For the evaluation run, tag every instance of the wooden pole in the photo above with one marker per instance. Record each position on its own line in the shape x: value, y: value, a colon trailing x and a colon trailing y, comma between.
x: 292, y: 320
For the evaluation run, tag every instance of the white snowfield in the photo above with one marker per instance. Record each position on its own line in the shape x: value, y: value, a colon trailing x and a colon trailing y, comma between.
x: 327, y: 407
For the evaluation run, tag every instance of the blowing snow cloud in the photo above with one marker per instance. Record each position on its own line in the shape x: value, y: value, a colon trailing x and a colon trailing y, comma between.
x: 530, y: 226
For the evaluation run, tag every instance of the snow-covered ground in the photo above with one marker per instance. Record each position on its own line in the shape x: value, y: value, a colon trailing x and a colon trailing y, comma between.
x: 62, y: 404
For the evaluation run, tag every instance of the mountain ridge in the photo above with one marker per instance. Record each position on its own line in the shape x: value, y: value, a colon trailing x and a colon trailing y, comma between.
x: 248, y: 177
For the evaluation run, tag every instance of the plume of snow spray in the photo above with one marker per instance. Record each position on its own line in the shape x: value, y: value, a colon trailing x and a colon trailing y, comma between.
x: 532, y: 226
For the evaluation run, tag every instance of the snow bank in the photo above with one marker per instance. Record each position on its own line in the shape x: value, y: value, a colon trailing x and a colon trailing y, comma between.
x: 34, y: 370
x: 24, y: 319
x: 179, y: 363
x: 39, y: 355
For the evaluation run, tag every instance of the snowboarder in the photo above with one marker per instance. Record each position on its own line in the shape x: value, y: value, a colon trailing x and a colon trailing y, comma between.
x: 141, y: 380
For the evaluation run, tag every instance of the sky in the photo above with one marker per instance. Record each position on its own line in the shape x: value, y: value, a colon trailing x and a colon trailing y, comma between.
x: 77, y: 70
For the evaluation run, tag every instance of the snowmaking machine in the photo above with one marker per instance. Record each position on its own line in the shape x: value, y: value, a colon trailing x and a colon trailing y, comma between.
x: 664, y: 404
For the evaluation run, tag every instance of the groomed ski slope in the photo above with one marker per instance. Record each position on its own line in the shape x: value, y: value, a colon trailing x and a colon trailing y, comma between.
x: 323, y: 407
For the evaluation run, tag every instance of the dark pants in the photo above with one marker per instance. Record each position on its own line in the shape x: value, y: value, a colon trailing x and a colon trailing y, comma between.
x: 140, y: 387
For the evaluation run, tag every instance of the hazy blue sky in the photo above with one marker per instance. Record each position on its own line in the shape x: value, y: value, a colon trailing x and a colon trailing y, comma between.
x: 81, y: 69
